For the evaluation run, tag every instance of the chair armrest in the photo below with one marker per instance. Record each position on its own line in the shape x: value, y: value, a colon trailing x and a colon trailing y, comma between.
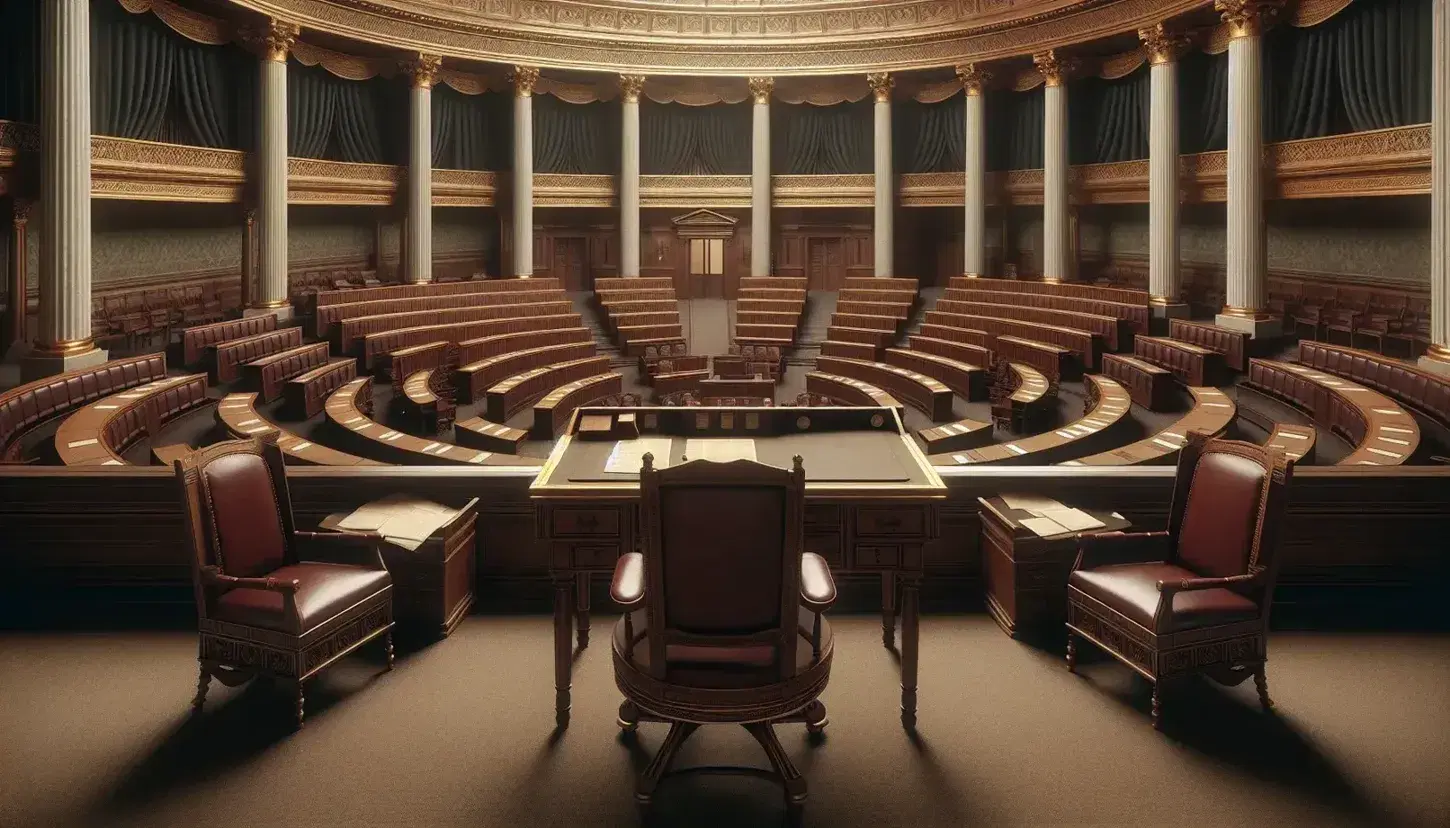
x: 627, y: 587
x: 1120, y: 547
x: 818, y: 588
x: 212, y: 576
x: 356, y: 548
x: 1250, y: 578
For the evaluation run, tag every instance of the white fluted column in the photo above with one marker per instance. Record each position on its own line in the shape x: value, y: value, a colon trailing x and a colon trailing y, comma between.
x: 885, y: 206
x: 64, y: 340
x: 524, y: 78
x: 1246, y: 294
x: 974, y: 199
x: 1164, y: 287
x: 422, y: 72
x: 760, y: 89
x: 630, y: 87
x: 1056, y: 234
x: 1438, y: 357
x: 272, y: 43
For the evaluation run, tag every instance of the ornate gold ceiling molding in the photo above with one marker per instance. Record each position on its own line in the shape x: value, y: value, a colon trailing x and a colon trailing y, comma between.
x: 348, y: 67
x: 1313, y: 12
x: 152, y: 171
x: 185, y: 22
x: 901, y: 35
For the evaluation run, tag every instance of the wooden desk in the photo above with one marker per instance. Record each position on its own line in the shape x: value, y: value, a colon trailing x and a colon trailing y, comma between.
x: 1025, y: 576
x: 871, y: 508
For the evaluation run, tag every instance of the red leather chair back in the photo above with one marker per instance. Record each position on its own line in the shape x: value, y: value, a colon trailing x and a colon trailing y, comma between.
x: 722, y: 558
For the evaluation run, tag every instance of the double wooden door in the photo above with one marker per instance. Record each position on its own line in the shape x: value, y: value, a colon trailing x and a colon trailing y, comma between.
x: 571, y: 263
x: 825, y: 263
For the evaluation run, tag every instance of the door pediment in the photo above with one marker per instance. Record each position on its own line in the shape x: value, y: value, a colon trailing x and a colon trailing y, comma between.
x: 704, y: 224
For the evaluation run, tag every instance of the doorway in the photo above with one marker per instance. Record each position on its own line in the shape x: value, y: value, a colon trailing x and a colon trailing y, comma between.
x: 571, y: 264
x: 825, y: 263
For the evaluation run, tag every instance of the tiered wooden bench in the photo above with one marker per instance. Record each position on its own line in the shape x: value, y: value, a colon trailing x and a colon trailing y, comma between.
x: 27, y: 406
x: 737, y: 387
x: 1296, y: 441
x: 551, y: 414
x: 478, y: 433
x: 850, y: 350
x: 1114, y: 332
x: 957, y: 436
x: 513, y: 394
x: 1136, y: 316
x: 168, y: 455
x: 1107, y: 407
x: 967, y: 380
x: 663, y: 346
x: 1149, y: 385
x: 1234, y: 345
x: 1107, y: 294
x: 237, y: 414
x: 330, y: 317
x: 426, y: 400
x: 1023, y: 398
x: 352, y: 332
x: 377, y: 344
x: 849, y: 391
x: 1422, y: 391
x: 346, y: 415
x: 227, y: 358
x: 98, y: 434
x: 868, y: 312
x: 196, y: 340
x: 484, y: 347
x: 472, y: 380
x: 305, y: 394
x: 1055, y: 363
x: 270, y: 374
x: 395, y: 366
x: 1382, y: 433
x: 1085, y: 345
x: 674, y: 365
x: 495, y: 286
x: 629, y: 327
x: 1211, y: 413
x: 679, y: 381
x: 1192, y: 364
x: 951, y: 349
x: 920, y: 391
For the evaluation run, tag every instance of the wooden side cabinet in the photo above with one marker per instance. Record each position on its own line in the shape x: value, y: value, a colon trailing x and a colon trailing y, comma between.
x: 1024, y: 575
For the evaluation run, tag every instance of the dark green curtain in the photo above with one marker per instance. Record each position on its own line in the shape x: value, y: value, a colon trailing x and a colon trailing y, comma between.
x: 694, y: 140
x: 1302, y: 85
x: 822, y: 140
x: 461, y: 126
x: 1108, y: 119
x: 1383, y: 56
x: 342, y: 120
x: 582, y: 139
x: 1203, y: 102
x: 1015, y: 142
x: 151, y: 83
x: 930, y: 137
x: 20, y: 22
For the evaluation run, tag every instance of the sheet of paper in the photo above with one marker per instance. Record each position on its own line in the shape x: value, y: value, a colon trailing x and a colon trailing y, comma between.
x: 1073, y: 520
x: 720, y: 450
x: 627, y: 457
x: 365, y: 519
x: 1030, y: 503
x: 1043, y: 527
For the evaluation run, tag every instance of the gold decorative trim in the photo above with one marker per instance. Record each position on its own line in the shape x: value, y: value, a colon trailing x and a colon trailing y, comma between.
x: 315, y: 181
x: 1256, y: 314
x: 524, y: 78
x: 1121, y: 65
x: 272, y: 40
x: 630, y: 86
x: 1313, y: 12
x: 1440, y: 353
x: 1163, y: 44
x: 760, y: 89
x: 857, y: 190
x: 974, y: 79
x: 1247, y: 18
x: 272, y: 304
x: 422, y: 70
x: 191, y: 25
x: 64, y: 347
x: 1056, y: 69
x: 880, y: 83
x: 345, y: 66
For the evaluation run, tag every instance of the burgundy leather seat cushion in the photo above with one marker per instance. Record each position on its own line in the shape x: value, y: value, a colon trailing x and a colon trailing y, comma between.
x: 1132, y: 589
x: 720, y: 668
x: 326, y: 589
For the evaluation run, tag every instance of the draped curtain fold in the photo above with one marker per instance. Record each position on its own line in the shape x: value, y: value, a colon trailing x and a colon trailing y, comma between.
x: 20, y: 61
x: 579, y: 139
x: 1203, y: 102
x: 310, y: 104
x: 1383, y: 62
x: 341, y: 120
x: 1302, y: 89
x: 930, y: 137
x: 822, y: 140
x: 1017, y: 143
x: 1108, y: 119
x: 694, y: 140
x: 461, y: 127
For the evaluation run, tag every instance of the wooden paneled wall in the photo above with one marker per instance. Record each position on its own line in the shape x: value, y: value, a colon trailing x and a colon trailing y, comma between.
x: 824, y: 246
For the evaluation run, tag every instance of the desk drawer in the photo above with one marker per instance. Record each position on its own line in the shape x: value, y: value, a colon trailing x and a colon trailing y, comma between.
x: 883, y: 520
x: 574, y: 521
x: 595, y: 557
x: 877, y: 557
x: 828, y: 546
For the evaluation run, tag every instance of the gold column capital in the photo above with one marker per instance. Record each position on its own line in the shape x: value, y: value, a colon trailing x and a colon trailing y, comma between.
x: 631, y: 87
x: 1054, y: 67
x: 1247, y: 18
x: 273, y: 39
x: 881, y: 83
x: 249, y: 216
x: 20, y: 211
x: 1163, y: 44
x: 422, y: 69
x: 524, y: 78
x: 974, y: 78
x: 761, y: 89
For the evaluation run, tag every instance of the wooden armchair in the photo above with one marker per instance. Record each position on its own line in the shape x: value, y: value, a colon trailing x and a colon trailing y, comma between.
x: 270, y: 600
x: 723, y: 618
x: 1193, y: 599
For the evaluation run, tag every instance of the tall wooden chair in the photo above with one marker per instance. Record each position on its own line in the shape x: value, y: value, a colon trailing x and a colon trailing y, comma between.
x: 270, y: 600
x: 723, y: 620
x: 1194, y: 599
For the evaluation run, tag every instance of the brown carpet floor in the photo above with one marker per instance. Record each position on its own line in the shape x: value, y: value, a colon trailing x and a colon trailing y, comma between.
x: 95, y: 732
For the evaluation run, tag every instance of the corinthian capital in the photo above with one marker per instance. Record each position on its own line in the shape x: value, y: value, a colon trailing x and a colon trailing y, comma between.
x: 273, y: 40
x: 881, y: 83
x: 524, y: 78
x: 1163, y: 44
x: 631, y: 86
x: 1247, y: 18
x: 760, y: 89
x: 1054, y: 66
x: 974, y: 79
x: 423, y: 70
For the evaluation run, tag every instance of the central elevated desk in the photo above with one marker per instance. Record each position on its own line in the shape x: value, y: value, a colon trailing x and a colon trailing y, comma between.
x: 871, y: 504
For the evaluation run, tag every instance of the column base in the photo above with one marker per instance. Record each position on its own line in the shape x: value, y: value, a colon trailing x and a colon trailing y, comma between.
x: 1169, y: 310
x: 38, y: 364
x: 1257, y: 327
x: 282, y: 313
x: 1436, y: 360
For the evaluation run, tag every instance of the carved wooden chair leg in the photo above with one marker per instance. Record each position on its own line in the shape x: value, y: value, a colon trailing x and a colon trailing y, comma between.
x: 650, y: 779
x: 795, y: 784
x: 203, y: 682
x: 628, y: 718
x: 388, y: 648
x: 1071, y: 652
x: 1261, y: 683
x: 816, y: 720
x: 301, y: 699
x: 1157, y: 706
